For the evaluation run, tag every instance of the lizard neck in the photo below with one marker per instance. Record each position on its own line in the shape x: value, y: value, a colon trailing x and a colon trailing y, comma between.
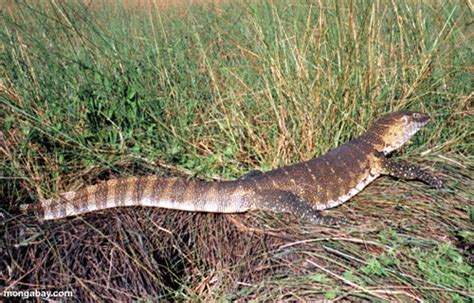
x: 371, y: 140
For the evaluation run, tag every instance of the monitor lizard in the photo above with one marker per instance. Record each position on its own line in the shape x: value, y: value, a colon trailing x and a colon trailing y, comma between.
x: 302, y: 189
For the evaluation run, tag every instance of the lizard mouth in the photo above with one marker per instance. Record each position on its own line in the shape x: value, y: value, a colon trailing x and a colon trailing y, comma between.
x: 418, y: 123
x: 423, y: 120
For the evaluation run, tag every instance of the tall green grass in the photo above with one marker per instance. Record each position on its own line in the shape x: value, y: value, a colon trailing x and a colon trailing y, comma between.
x: 212, y: 91
x: 218, y: 90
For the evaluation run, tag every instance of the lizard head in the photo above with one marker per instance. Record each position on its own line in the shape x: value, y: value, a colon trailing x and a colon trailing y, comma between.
x: 397, y: 128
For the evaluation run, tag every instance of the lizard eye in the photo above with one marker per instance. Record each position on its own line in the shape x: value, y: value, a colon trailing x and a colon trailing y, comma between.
x: 416, y: 115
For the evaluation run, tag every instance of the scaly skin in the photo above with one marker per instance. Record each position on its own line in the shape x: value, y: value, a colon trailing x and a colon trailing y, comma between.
x: 301, y: 189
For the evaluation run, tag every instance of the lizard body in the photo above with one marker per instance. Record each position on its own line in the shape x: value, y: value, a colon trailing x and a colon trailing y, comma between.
x: 302, y: 189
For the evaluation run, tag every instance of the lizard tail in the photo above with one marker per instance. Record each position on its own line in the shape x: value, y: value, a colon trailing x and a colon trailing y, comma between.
x: 155, y: 191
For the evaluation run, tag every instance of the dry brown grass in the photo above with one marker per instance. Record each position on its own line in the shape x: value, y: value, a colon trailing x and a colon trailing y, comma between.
x: 145, y: 253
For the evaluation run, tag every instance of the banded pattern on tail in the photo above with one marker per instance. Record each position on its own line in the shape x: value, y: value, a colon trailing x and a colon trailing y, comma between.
x: 173, y: 193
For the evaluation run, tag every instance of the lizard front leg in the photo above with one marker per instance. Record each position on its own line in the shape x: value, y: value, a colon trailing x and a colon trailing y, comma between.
x: 287, y: 202
x: 407, y: 171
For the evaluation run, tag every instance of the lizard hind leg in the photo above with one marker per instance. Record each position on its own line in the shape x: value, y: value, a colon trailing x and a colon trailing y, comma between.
x: 287, y: 202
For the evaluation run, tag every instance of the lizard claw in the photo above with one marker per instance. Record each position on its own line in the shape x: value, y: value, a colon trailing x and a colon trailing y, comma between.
x: 342, y: 222
x: 437, y: 183
x: 331, y: 221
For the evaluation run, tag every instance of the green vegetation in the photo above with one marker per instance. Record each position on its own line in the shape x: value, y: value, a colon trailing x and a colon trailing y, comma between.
x: 211, y: 91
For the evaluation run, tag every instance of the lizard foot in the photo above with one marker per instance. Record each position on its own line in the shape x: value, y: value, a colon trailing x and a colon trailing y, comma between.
x: 437, y: 183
